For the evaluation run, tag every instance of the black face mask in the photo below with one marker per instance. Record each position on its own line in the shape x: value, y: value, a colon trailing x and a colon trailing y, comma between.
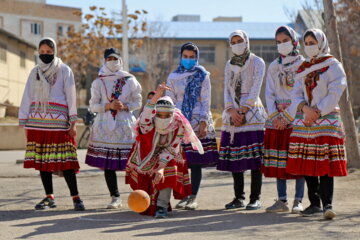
x: 46, y: 58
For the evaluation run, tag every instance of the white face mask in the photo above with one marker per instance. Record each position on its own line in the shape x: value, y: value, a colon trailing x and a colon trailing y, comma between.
x: 161, y: 124
x: 113, y: 66
x: 238, y: 48
x: 312, y: 51
x: 285, y: 48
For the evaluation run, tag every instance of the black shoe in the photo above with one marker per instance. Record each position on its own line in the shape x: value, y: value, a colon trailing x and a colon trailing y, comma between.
x: 253, y: 205
x: 45, y: 204
x: 78, y: 205
x: 161, y: 212
x: 311, y: 211
x: 236, y: 203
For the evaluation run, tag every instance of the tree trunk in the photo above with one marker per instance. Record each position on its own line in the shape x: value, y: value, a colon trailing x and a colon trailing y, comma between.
x: 351, y: 143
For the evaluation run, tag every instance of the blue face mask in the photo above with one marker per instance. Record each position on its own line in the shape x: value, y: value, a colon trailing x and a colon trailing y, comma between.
x: 188, y: 63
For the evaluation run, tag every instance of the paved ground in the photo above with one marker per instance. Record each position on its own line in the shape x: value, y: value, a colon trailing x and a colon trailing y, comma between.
x: 21, y: 189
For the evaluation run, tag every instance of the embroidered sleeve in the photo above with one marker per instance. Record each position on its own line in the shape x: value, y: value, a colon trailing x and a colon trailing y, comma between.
x: 270, y: 93
x: 336, y: 86
x: 286, y: 118
x: 26, y: 101
x: 95, y: 101
x: 146, y: 118
x: 259, y: 72
x: 135, y: 97
x: 205, y: 99
x: 298, y: 98
x: 70, y: 93
x: 227, y: 95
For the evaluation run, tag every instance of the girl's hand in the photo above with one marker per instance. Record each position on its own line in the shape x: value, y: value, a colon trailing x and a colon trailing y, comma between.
x: 72, y: 131
x: 236, y: 117
x: 159, y: 176
x: 311, y: 115
x: 202, y: 129
x: 159, y: 92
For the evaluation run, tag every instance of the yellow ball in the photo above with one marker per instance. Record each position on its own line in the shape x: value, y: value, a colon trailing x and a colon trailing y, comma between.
x: 139, y: 201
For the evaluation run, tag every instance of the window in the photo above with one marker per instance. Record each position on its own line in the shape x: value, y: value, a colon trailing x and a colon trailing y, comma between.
x: 207, y: 54
x: 266, y: 52
x: 22, y: 59
x: 60, y: 31
x: 36, y: 28
x: 3, y: 49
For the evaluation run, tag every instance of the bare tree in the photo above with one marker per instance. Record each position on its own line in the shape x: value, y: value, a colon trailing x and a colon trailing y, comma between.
x: 155, y: 53
x: 83, y: 48
x: 352, y: 147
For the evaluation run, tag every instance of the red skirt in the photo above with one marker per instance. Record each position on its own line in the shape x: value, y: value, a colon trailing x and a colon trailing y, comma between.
x: 50, y: 151
x: 319, y: 156
x: 176, y: 177
x: 276, y: 145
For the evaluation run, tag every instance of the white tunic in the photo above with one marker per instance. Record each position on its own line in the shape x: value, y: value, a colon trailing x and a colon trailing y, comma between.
x: 327, y: 93
x: 202, y: 108
x: 250, y: 77
x: 277, y: 92
x: 61, y: 109
x: 107, y: 132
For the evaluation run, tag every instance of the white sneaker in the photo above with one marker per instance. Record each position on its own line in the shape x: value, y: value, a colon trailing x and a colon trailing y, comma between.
x: 115, y: 203
x: 297, y: 207
x: 182, y: 203
x: 191, y: 204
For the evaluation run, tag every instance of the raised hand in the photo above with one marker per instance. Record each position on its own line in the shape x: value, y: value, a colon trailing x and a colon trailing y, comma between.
x: 159, y: 92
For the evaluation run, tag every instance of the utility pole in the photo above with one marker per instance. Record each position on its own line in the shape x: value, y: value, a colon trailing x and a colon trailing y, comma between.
x: 125, y: 40
x: 351, y: 142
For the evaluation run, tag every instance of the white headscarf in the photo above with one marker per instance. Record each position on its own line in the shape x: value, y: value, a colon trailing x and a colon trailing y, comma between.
x: 323, y: 43
x: 241, y: 34
x: 44, y: 78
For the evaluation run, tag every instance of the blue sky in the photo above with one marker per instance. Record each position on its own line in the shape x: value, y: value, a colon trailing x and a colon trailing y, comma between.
x: 250, y: 10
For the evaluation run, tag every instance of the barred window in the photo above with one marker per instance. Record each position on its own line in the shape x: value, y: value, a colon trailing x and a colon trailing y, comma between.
x: 22, y: 59
x: 266, y: 52
x: 3, y: 51
x: 36, y: 28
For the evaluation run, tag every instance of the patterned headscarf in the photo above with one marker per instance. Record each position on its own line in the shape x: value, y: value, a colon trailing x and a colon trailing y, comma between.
x: 323, y: 43
x: 295, y: 42
x: 193, y: 83
x: 165, y: 107
x: 240, y: 60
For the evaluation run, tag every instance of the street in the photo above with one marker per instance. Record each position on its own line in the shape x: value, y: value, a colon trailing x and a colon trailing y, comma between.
x: 21, y: 189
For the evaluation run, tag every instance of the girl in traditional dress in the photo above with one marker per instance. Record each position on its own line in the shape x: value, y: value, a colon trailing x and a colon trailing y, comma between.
x: 48, y: 113
x: 156, y: 164
x: 317, y: 148
x: 279, y: 83
x: 191, y: 92
x: 115, y: 94
x: 244, y: 117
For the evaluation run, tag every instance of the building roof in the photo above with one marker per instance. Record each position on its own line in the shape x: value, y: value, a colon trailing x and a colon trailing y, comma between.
x: 212, y: 30
x: 13, y: 36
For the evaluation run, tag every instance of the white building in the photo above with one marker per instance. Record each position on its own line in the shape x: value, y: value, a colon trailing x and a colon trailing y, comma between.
x: 34, y: 19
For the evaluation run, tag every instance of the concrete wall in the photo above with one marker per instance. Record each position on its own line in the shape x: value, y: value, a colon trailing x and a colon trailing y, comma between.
x: 13, y: 136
